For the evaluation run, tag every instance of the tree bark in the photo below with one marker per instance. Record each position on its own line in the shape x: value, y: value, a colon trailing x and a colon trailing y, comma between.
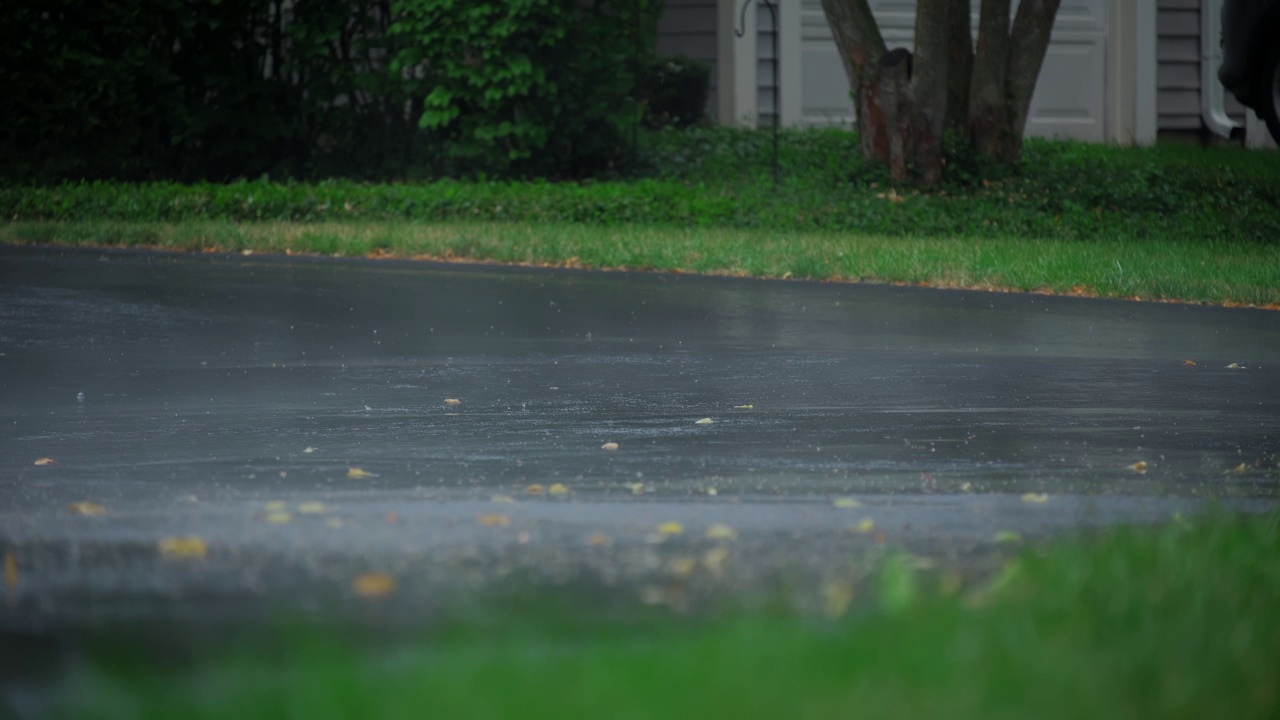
x: 929, y: 86
x: 886, y: 114
x: 959, y: 63
x: 861, y: 47
x: 1028, y: 42
x: 987, y: 107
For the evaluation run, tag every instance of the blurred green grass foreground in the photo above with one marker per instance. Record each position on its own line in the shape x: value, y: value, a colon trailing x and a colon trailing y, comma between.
x: 1181, y: 621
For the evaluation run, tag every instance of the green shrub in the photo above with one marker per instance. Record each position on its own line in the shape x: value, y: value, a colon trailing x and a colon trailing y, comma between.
x: 528, y: 87
x: 674, y: 91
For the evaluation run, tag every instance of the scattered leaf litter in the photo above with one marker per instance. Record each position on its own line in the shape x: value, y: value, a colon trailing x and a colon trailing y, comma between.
x: 358, y: 474
x: 558, y: 489
x: 1139, y: 467
x: 373, y: 585
x: 187, y: 547
x: 45, y: 461
x: 452, y: 402
x: 720, y: 531
x: 703, y: 421
x: 609, y: 446
x: 534, y: 489
x: 1036, y: 498
x: 86, y: 508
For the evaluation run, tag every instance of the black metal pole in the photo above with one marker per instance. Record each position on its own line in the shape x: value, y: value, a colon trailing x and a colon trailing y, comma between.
x: 741, y: 31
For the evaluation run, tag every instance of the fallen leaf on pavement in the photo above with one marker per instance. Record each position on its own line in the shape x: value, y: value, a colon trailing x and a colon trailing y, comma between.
x: 86, y: 508
x: 358, y: 474
x: 636, y: 488
x: 1139, y: 467
x: 683, y: 567
x: 670, y: 528
x: 452, y: 402
x: 720, y: 531
x: 10, y: 570
x: 557, y: 489
x: 311, y: 508
x: 373, y: 585
x: 502, y: 499
x: 703, y: 421
x: 45, y: 461
x: 743, y: 407
x: 1037, y: 498
x: 494, y: 520
x: 714, y: 558
x: 309, y: 449
x: 598, y: 539
x: 846, y: 502
x: 609, y: 446
x: 274, y: 506
x: 182, y: 547
x: 1234, y: 366
x: 865, y: 526
x: 534, y: 489
x: 1189, y: 363
x: 279, y: 517
x: 1240, y: 469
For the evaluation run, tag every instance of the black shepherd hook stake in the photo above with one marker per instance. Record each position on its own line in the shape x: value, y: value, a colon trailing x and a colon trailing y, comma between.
x: 741, y: 31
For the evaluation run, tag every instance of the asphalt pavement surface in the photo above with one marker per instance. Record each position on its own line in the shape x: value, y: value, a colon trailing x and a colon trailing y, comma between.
x: 222, y: 439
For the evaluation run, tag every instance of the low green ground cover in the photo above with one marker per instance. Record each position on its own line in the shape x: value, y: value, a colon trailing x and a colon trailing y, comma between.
x: 1169, y: 222
x: 1179, y: 621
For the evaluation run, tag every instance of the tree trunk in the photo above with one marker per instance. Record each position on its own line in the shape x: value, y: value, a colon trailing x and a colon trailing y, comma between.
x: 988, y: 110
x: 929, y: 86
x: 1028, y: 42
x: 886, y: 114
x: 959, y: 64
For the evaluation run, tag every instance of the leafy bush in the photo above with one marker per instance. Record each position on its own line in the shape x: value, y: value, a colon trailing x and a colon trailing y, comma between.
x: 528, y: 87
x: 674, y: 91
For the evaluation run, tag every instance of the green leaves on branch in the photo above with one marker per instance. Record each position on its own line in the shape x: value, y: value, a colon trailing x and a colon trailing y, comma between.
x: 528, y: 87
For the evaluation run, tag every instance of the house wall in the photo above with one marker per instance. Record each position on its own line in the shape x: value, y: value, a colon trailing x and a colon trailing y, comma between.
x: 1178, y: 84
x: 688, y: 28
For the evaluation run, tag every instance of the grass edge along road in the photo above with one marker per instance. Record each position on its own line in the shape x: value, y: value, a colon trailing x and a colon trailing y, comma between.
x: 1181, y: 620
x: 1172, y: 270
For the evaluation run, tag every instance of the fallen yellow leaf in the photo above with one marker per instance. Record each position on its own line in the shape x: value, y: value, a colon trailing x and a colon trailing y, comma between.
x: 865, y: 526
x: 452, y: 402
x: 558, y: 489
x: 609, y: 446
x: 10, y: 570
x: 683, y: 566
x: 311, y: 508
x: 703, y: 421
x: 309, y: 449
x: 743, y: 407
x: 846, y: 502
x: 86, y: 508
x: 1189, y: 363
x: 636, y: 488
x: 358, y: 474
x: 1038, y: 498
x: 1233, y: 366
x: 966, y: 487
x: 1240, y: 469
x: 712, y: 491
x: 278, y: 517
x: 714, y: 558
x: 373, y: 585
x: 45, y: 461
x: 534, y: 489
x: 1139, y: 467
x: 671, y: 528
x: 183, y: 547
x: 720, y: 531
x: 494, y: 520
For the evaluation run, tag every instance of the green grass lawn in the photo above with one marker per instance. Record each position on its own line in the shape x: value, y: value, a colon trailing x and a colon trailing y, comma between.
x: 1221, y: 272
x: 1179, y: 621
x: 1164, y: 223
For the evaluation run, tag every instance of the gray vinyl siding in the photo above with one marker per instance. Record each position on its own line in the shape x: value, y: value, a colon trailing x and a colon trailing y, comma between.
x: 765, y: 68
x: 688, y: 28
x: 1178, y: 67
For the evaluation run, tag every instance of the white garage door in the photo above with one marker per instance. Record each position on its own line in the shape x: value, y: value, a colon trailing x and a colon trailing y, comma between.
x: 1069, y: 96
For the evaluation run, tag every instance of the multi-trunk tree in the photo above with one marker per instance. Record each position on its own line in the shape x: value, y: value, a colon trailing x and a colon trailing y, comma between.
x: 907, y: 100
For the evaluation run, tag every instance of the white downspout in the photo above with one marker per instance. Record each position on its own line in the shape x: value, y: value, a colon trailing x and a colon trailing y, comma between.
x: 1212, y: 93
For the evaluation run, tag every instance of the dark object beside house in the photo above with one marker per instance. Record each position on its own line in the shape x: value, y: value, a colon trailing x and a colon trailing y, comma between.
x: 674, y: 90
x: 1251, y: 57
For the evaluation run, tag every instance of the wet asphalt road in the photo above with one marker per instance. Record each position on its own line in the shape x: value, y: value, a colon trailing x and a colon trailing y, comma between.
x: 223, y: 398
